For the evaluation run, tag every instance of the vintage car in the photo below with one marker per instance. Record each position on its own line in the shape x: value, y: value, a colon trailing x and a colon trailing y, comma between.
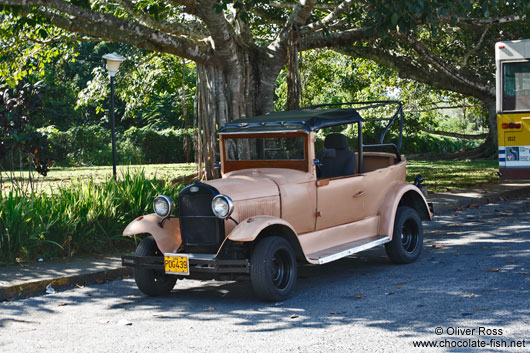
x: 281, y: 203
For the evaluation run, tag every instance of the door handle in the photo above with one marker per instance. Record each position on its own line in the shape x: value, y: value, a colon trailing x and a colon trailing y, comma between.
x: 360, y: 193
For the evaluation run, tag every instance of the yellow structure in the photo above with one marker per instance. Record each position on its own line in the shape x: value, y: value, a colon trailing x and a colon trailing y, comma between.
x: 513, y: 107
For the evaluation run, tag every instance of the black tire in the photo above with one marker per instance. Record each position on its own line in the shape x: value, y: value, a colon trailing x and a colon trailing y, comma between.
x: 407, y: 238
x: 152, y: 282
x: 273, y: 269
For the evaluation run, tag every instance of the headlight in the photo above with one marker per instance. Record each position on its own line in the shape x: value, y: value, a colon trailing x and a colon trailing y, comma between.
x: 163, y: 206
x: 222, y: 206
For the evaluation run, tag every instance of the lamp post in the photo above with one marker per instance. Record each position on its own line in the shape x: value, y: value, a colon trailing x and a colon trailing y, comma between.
x: 113, y: 64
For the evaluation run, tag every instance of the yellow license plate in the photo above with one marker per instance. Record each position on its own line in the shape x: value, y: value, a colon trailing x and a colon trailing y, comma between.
x: 177, y: 264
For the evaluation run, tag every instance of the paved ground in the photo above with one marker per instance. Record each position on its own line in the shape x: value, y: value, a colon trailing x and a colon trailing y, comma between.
x: 474, y: 273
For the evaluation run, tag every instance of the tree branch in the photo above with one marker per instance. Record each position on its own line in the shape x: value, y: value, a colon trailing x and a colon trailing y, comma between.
x: 112, y: 28
x: 287, y: 5
x: 175, y: 28
x: 483, y: 21
x: 326, y: 21
x: 436, y: 107
x: 442, y: 66
x: 321, y: 38
x: 300, y: 13
x: 413, y: 69
x: 222, y: 33
x: 297, y: 17
x: 455, y: 134
x: 472, y: 50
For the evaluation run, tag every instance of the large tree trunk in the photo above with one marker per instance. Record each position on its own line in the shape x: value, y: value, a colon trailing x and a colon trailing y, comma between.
x: 227, y: 93
x: 493, y: 138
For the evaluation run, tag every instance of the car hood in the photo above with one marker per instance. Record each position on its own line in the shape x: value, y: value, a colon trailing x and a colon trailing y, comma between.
x: 245, y: 186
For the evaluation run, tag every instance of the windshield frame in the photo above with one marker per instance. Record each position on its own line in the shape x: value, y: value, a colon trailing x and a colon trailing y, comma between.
x: 231, y: 165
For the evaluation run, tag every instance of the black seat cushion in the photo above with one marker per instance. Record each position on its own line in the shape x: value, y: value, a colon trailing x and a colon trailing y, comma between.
x: 344, y: 161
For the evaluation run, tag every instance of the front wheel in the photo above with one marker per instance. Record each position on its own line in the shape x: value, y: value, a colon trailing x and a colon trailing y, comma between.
x: 407, y: 239
x: 152, y: 282
x: 273, y: 269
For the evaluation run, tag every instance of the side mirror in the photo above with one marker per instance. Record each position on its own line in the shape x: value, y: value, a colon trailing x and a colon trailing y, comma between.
x: 418, y: 180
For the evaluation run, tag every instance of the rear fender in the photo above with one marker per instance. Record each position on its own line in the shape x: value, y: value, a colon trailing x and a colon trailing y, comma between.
x: 401, y: 194
x: 167, y: 237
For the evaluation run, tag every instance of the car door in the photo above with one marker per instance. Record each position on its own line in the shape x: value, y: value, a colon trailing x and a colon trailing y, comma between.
x: 340, y: 201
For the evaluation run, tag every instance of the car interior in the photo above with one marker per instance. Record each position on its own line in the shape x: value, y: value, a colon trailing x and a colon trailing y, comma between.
x: 336, y: 159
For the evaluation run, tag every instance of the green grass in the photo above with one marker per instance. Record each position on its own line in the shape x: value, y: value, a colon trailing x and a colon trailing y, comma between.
x: 63, y: 177
x: 444, y: 175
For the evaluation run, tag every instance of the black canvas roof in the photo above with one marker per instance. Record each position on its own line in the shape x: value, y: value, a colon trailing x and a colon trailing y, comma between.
x: 301, y: 119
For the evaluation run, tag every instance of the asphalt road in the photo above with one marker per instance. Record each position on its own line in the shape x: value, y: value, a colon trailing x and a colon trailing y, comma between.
x: 471, y: 284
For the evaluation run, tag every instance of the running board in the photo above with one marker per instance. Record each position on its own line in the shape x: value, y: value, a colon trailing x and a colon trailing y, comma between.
x: 341, y: 251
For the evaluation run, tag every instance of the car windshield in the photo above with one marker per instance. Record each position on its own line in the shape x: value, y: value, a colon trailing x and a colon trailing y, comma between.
x: 265, y: 148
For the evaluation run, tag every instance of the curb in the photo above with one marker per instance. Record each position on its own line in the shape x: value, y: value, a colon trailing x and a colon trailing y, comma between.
x: 29, y: 289
x: 482, y: 200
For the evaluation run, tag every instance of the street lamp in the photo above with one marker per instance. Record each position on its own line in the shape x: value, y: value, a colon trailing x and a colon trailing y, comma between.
x: 113, y: 64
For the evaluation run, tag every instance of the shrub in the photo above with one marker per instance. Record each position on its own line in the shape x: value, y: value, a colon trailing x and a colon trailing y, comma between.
x: 91, y: 145
x: 83, y: 218
x: 161, y: 146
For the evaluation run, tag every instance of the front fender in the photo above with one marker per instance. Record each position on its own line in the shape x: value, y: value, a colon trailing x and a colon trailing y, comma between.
x: 167, y: 238
x: 249, y: 229
x: 401, y: 194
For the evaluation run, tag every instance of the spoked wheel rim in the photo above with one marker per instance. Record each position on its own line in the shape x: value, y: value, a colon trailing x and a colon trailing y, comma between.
x: 409, y: 235
x: 281, y: 269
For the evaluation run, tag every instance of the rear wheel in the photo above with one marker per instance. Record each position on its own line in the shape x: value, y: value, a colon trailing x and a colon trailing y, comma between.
x: 407, y: 239
x: 152, y: 282
x: 273, y: 269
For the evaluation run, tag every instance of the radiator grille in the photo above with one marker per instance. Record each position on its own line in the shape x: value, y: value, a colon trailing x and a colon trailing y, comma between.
x: 201, y: 231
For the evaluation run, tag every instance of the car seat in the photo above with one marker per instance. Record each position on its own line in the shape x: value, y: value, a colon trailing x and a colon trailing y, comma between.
x: 340, y: 163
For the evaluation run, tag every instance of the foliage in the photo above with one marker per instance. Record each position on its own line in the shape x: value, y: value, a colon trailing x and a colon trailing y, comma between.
x: 84, y: 218
x: 162, y: 146
x: 148, y: 89
x: 91, y: 145
x: 17, y: 135
x: 328, y: 77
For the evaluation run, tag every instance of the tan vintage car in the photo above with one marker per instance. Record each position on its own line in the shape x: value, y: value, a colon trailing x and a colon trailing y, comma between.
x: 281, y: 203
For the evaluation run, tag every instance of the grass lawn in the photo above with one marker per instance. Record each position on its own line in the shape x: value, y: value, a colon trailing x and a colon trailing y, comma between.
x: 63, y: 176
x: 439, y: 175
x: 451, y: 175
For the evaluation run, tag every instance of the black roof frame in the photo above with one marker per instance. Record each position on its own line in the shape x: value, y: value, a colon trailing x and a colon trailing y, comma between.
x: 314, y: 118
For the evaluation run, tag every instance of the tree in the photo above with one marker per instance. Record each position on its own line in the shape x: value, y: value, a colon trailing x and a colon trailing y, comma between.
x: 453, y: 47
x: 18, y: 137
x: 239, y: 47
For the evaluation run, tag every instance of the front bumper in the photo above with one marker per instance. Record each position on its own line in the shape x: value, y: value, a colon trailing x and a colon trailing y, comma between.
x: 198, y: 264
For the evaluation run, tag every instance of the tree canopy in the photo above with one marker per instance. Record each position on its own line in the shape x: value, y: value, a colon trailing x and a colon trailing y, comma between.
x: 240, y: 47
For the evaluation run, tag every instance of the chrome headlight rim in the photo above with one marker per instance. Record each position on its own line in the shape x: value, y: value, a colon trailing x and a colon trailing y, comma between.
x: 170, y: 206
x: 229, y: 205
